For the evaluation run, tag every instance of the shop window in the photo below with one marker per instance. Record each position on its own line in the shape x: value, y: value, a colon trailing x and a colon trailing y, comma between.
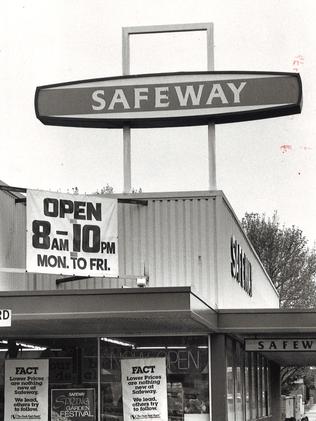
x: 239, y: 395
x: 230, y: 379
x: 235, y: 377
x: 65, y: 369
x: 265, y: 388
x: 248, y: 386
x: 259, y: 386
x: 69, y: 369
x: 187, y: 375
x: 254, y: 386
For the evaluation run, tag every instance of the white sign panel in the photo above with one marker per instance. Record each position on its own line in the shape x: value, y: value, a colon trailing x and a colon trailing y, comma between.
x: 5, y: 318
x: 26, y: 390
x: 71, y: 234
x: 144, y: 387
x: 276, y: 345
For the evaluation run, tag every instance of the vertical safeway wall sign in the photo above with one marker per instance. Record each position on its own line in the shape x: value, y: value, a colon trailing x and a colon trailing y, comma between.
x: 71, y: 234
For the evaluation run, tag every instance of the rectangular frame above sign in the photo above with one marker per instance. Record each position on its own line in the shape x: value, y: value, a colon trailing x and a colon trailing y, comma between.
x: 169, y: 99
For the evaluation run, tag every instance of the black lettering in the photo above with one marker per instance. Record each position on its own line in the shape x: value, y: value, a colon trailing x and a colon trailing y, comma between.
x: 94, y: 211
x: 307, y: 344
x: 50, y: 207
x: 51, y: 261
x: 108, y: 247
x: 233, y: 257
x: 60, y: 244
x: 40, y: 237
x: 238, y: 264
x: 79, y: 210
x: 5, y: 315
x: 91, y: 238
x: 260, y: 345
x: 42, y: 260
x: 66, y: 206
x: 63, y: 244
x: 250, y: 280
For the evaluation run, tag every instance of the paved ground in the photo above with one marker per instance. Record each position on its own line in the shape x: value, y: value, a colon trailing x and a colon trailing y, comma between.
x: 311, y: 413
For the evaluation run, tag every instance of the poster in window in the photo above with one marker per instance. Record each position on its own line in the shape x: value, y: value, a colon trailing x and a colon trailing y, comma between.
x: 73, y: 405
x: 144, y: 388
x: 26, y: 390
x: 71, y: 234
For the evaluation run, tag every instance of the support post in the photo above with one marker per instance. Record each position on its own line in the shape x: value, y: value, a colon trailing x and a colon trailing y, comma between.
x: 218, y: 377
x: 275, y: 379
x: 211, y: 127
x: 127, y: 160
x: 211, y: 157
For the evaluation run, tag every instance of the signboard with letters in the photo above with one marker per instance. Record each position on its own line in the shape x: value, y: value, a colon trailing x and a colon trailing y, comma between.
x: 73, y: 404
x: 144, y: 389
x: 71, y: 234
x: 26, y: 390
x: 170, y: 99
x: 277, y: 345
x: 5, y: 318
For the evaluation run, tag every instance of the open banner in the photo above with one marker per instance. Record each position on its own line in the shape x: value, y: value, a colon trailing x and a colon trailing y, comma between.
x: 71, y: 234
x: 144, y: 389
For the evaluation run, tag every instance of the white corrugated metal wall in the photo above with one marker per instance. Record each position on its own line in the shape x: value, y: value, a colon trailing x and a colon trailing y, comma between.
x: 171, y: 241
x: 12, y: 241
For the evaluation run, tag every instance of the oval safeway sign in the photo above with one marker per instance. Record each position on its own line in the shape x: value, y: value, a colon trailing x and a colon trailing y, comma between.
x: 171, y: 99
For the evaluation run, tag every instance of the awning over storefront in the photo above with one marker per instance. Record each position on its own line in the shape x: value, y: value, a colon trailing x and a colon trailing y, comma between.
x: 115, y: 312
x: 278, y: 324
x: 149, y: 312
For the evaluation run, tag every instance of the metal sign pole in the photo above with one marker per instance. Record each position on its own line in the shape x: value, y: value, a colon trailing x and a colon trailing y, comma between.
x: 211, y: 127
x: 126, y: 32
x: 127, y: 165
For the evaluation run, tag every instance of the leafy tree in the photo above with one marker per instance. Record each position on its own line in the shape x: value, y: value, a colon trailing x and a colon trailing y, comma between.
x: 291, y: 266
x: 286, y: 257
x: 107, y: 189
x: 290, y: 376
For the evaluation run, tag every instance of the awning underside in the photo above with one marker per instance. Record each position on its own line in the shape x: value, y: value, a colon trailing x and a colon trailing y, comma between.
x: 147, y: 311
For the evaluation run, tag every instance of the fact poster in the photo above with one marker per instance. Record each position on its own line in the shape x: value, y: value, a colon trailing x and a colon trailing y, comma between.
x: 144, y: 388
x: 71, y: 234
x: 26, y: 390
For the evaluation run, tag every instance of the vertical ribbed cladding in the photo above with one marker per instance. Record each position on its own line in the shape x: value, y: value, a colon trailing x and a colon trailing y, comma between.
x: 172, y: 241
x: 12, y: 242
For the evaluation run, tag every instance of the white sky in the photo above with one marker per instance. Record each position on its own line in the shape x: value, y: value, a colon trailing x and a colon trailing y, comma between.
x: 50, y: 41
